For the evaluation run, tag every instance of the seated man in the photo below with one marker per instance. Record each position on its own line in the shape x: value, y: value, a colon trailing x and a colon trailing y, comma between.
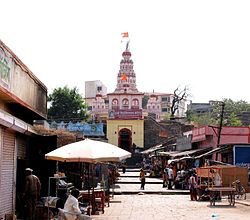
x: 71, y: 210
x: 217, y: 179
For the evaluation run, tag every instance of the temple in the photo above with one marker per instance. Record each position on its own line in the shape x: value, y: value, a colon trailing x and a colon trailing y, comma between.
x: 125, y: 118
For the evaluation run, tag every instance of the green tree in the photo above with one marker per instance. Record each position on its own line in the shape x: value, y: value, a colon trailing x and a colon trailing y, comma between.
x: 67, y: 104
x: 204, y: 119
x: 167, y: 116
x: 231, y: 113
x: 233, y: 120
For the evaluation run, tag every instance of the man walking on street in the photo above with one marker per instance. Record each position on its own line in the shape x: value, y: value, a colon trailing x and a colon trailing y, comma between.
x: 31, y: 194
x: 142, y: 178
x: 193, y: 187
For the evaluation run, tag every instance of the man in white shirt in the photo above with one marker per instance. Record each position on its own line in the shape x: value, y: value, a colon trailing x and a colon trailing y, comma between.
x: 170, y: 178
x: 192, y: 182
x: 71, y: 208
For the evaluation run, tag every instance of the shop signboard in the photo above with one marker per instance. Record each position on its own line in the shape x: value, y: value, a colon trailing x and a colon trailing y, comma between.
x: 125, y: 114
x: 5, y: 67
x: 242, y: 155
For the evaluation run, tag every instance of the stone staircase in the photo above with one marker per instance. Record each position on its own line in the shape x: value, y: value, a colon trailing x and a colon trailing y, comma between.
x: 129, y: 183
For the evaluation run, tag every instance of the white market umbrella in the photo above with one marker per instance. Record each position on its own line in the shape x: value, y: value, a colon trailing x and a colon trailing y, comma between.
x: 89, y: 151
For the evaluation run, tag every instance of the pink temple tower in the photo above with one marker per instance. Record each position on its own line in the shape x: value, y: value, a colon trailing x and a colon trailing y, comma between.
x: 126, y: 96
x: 125, y: 123
x: 126, y: 79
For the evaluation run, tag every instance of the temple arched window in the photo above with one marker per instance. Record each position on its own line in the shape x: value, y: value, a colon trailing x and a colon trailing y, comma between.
x: 125, y: 104
x: 115, y: 104
x: 135, y: 103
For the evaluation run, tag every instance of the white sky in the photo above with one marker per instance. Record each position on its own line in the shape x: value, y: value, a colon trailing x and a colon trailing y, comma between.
x: 204, y: 45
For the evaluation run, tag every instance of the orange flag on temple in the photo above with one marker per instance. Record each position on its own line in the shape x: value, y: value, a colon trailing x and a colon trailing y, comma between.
x: 125, y: 34
x: 124, y: 77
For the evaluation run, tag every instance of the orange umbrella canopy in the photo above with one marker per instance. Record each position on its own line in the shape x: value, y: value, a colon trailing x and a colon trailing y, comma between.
x: 89, y: 151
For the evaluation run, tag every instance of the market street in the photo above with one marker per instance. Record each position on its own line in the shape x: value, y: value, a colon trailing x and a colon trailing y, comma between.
x: 176, y: 207
x: 156, y: 203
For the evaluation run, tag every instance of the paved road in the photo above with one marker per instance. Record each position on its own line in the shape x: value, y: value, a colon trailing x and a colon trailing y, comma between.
x: 171, y: 207
x: 154, y: 203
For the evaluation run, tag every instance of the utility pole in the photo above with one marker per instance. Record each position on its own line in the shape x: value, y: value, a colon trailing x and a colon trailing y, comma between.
x: 220, y: 128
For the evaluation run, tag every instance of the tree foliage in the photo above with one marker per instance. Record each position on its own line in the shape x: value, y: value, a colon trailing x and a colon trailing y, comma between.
x: 231, y: 112
x: 203, y: 119
x: 67, y: 104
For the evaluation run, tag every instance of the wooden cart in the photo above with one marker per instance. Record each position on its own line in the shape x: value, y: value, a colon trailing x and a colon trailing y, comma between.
x: 215, y: 192
x: 217, y: 181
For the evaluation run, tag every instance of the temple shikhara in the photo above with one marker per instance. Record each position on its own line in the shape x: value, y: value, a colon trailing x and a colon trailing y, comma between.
x: 125, y: 118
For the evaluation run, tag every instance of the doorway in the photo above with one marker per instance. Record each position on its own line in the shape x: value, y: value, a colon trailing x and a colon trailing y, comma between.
x: 125, y: 139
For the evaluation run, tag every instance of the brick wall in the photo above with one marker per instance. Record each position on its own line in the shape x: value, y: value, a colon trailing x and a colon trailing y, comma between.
x: 159, y: 132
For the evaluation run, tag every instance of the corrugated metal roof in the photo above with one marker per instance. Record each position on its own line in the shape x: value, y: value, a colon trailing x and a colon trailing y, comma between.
x: 152, y: 149
x: 215, y: 150
x: 176, y: 154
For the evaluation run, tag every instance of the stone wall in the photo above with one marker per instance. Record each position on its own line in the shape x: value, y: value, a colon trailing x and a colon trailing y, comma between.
x: 159, y: 132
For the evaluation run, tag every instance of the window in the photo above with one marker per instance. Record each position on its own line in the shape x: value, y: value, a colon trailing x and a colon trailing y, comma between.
x: 135, y: 103
x: 125, y: 104
x: 115, y: 104
x: 99, y: 88
x: 165, y: 99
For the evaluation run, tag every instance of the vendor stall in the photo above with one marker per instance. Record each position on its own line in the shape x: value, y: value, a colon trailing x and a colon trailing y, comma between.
x: 216, y: 181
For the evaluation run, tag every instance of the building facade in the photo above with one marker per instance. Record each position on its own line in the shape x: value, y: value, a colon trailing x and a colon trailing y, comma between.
x: 92, y: 88
x: 160, y: 104
x: 23, y: 98
x: 207, y: 137
x: 200, y: 108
